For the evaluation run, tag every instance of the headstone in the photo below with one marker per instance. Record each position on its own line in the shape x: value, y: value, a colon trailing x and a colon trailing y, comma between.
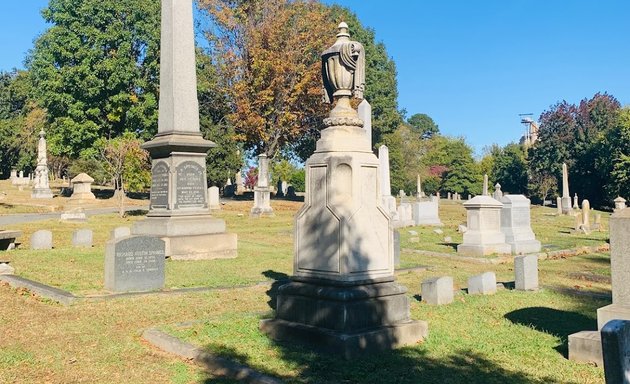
x: 41, y: 187
x: 240, y: 187
x: 279, y: 190
x: 498, y: 194
x: 484, y: 190
x: 82, y: 187
x: 620, y: 203
x: 284, y: 187
x: 262, y: 192
x: 586, y: 220
x: 13, y: 174
x: 119, y: 232
x: 437, y: 290
x: 82, y: 238
x: 291, y: 192
x: 42, y: 239
x: 566, y: 198
x: 404, y: 217
x: 484, y: 236
x: 526, y: 273
x: 213, y: 198
x: 389, y: 202
x: 6, y: 269
x: 578, y: 221
x: 559, y: 205
x: 575, y: 202
x: 344, y: 242
x: 483, y: 284
x: 134, y: 263
x: 178, y: 206
x: 448, y: 196
x: 516, y: 224
x: 598, y: 222
x: 426, y: 212
x: 75, y: 215
x: 396, y: 248
x: 365, y: 114
x: 616, y: 351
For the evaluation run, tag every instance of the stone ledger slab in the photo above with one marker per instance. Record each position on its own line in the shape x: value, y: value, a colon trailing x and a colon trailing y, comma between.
x: 134, y: 263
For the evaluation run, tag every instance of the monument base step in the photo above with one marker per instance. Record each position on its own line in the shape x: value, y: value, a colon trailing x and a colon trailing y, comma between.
x: 484, y: 250
x: 586, y: 347
x: 41, y: 193
x: 202, y: 247
x: 612, y: 312
x: 348, y: 345
x: 525, y: 247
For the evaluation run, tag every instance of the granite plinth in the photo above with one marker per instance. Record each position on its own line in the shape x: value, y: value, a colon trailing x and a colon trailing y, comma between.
x: 612, y: 312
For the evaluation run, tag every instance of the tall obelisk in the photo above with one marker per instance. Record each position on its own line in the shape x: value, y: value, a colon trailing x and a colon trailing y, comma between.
x: 178, y: 210
x: 343, y: 296
x: 41, y: 188
x: 566, y: 198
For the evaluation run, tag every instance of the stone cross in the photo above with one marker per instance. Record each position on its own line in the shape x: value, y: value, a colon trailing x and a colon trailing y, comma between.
x: 484, y: 191
x: 365, y: 114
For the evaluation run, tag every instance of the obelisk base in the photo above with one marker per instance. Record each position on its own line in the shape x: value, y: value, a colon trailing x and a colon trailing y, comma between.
x: 199, y: 237
x: 41, y: 193
x: 349, y: 320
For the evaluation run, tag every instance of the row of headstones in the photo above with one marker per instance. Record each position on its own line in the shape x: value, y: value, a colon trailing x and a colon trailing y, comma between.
x: 81, y: 238
x: 20, y: 179
x: 439, y: 290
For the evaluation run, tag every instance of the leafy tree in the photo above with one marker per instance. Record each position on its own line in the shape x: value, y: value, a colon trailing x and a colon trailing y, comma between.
x: 615, y: 154
x: 298, y: 180
x: 423, y: 125
x: 96, y: 70
x: 510, y: 169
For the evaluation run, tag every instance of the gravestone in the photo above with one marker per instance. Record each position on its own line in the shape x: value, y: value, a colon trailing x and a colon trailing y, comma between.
x: 396, y: 248
x: 240, y: 187
x: 437, y: 290
x: 280, y: 191
x: 404, y: 216
x: 389, y: 201
x: 82, y: 238
x: 526, y: 273
x: 291, y: 192
x: 119, y: 232
x: 558, y: 205
x: 516, y: 224
x: 82, y: 187
x: 616, y: 351
x: 497, y: 194
x: 13, y: 174
x: 262, y: 192
x: 484, y: 236
x: 426, y: 212
x: 178, y: 205
x: 598, y: 222
x: 448, y: 196
x: 620, y: 203
x: 41, y: 187
x: 343, y: 296
x: 586, y: 219
x: 576, y: 205
x: 566, y: 198
x: 134, y: 263
x: 213, y: 198
x: 483, y: 284
x: 74, y: 215
x: 42, y: 239
x: 419, y: 192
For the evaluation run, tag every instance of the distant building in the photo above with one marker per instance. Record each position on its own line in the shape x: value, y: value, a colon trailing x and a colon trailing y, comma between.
x: 531, y: 131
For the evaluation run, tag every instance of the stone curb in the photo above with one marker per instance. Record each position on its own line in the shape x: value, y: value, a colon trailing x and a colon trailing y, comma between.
x: 213, y: 364
x: 562, y: 253
x: 45, y: 291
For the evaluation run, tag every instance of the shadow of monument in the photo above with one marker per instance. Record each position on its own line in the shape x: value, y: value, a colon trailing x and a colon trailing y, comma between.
x: 452, y: 245
x: 137, y: 212
x: 279, y: 279
x: 409, y: 365
x: 554, y: 322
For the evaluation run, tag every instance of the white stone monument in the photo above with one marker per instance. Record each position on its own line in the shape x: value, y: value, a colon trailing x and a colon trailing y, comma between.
x: 484, y: 236
x: 498, y: 194
x: 41, y: 187
x: 620, y: 204
x: 262, y: 192
x: 343, y: 296
x: 566, y: 198
x: 365, y: 114
x: 389, y: 201
x: 484, y: 189
x: 82, y: 187
x: 576, y: 204
x: 516, y: 224
x: 178, y: 209
x: 214, y: 202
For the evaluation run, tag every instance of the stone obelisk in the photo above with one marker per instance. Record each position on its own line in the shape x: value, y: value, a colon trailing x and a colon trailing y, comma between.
x: 262, y: 192
x: 484, y: 189
x: 566, y: 198
x: 178, y: 210
x: 41, y: 187
x: 343, y: 296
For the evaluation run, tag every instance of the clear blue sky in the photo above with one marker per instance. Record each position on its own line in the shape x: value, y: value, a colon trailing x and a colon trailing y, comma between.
x: 472, y: 66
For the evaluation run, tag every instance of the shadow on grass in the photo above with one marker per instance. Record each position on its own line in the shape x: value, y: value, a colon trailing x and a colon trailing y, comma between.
x: 279, y: 279
x: 554, y: 322
x: 409, y: 365
x: 452, y: 245
x: 137, y: 212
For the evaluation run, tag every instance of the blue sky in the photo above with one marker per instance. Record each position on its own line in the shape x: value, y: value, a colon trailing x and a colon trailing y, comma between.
x: 473, y: 66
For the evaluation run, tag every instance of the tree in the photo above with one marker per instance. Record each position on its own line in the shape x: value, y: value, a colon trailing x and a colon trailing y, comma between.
x: 96, y: 70
x: 510, y: 169
x: 423, y: 125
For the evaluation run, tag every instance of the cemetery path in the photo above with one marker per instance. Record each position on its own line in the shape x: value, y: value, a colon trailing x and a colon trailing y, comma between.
x: 30, y: 217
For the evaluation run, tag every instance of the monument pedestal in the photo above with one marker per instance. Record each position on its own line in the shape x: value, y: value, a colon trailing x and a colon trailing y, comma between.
x: 262, y: 202
x: 41, y: 193
x: 484, y: 236
x: 345, y: 319
x: 567, y: 209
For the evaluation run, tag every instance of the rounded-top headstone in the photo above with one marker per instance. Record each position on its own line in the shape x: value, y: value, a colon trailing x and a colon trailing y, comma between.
x: 119, y: 232
x: 42, y: 239
x: 82, y: 238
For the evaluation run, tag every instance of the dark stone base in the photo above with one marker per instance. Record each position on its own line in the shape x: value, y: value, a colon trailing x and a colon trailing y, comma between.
x: 346, y: 319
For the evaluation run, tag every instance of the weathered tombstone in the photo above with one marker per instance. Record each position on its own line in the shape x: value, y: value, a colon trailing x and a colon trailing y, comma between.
x: 483, y: 284
x: 119, y: 232
x: 82, y: 187
x: 516, y: 224
x: 578, y: 221
x: 404, y: 217
x: 82, y: 238
x: 240, y: 187
x: 41, y: 187
x: 291, y: 192
x: 279, y: 190
x: 526, y: 273
x: 262, y: 193
x: 497, y: 194
x: 559, y: 205
x: 598, y: 222
x: 75, y: 215
x: 620, y: 203
x: 448, y: 196
x: 134, y: 263
x: 586, y: 345
x: 13, y: 174
x: 426, y: 212
x: 586, y: 220
x: 576, y: 205
x: 42, y: 239
x: 178, y: 205
x: 437, y: 290
x: 213, y: 198
x: 566, y: 198
x: 484, y: 236
x: 616, y: 351
x: 341, y: 256
x: 389, y: 201
x: 396, y: 248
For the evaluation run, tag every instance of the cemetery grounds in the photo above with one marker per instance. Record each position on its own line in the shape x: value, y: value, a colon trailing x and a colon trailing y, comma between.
x: 513, y: 336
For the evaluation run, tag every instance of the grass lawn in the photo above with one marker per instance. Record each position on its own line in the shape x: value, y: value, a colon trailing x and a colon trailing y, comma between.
x: 509, y: 337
